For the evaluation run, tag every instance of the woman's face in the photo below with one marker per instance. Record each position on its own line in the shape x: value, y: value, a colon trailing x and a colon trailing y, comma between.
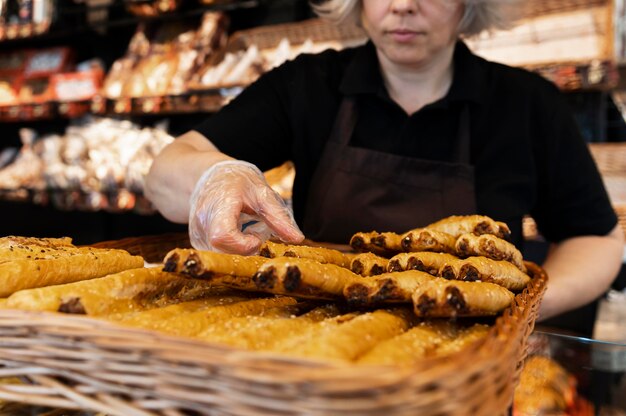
x: 411, y: 32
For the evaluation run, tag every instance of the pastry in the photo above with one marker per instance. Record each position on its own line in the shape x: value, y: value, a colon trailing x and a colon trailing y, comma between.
x: 418, y: 342
x: 171, y: 320
x: 424, y: 239
x: 383, y: 244
x: 483, y: 269
x: 264, y: 333
x: 345, y: 341
x: 130, y: 290
x: 448, y: 298
x: 458, y: 225
x: 489, y: 246
x: 221, y: 269
x: 303, y: 278
x: 35, y: 266
x: 320, y: 254
x: 425, y: 261
x: 368, y: 264
x: 386, y: 288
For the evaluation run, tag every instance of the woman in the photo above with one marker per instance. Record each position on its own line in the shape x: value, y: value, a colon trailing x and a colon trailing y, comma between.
x: 393, y: 135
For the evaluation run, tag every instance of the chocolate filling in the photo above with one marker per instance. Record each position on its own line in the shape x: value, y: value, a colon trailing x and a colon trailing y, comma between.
x: 425, y: 304
x: 469, y: 273
x: 292, y: 278
x: 265, y: 279
x: 455, y: 299
x: 357, y: 267
x: 394, y: 266
x: 357, y: 295
x: 73, y: 306
x: 448, y: 272
x: 171, y: 263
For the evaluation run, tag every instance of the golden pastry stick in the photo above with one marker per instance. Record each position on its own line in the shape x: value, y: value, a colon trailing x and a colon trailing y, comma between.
x: 458, y: 225
x: 489, y: 246
x: 369, y: 264
x: 424, y: 239
x: 441, y: 298
x: 303, y: 278
x: 417, y: 343
x: 130, y: 290
x: 194, y: 323
x: 13, y: 241
x: 221, y: 269
x: 59, y: 267
x: 424, y: 261
x: 348, y: 340
x: 321, y: 254
x: 463, y: 339
x: 3, y: 303
x: 395, y: 287
x: 483, y: 269
x: 383, y: 244
x: 263, y: 333
x: 162, y: 313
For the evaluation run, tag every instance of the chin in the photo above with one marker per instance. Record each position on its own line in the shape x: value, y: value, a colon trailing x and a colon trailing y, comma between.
x: 404, y: 57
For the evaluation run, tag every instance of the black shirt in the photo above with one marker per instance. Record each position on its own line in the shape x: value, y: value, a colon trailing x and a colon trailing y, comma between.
x: 528, y: 154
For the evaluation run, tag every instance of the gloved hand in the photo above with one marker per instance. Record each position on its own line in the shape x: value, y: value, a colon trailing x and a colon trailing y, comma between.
x: 229, y: 195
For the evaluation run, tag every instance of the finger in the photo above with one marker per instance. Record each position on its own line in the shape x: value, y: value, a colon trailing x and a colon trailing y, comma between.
x: 260, y: 230
x: 225, y: 235
x: 278, y: 217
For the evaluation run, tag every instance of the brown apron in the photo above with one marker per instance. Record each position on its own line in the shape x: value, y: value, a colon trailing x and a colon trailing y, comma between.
x: 355, y: 189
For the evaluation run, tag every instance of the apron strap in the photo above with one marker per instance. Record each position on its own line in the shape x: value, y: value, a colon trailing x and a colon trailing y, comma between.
x: 345, y: 122
x: 462, y: 151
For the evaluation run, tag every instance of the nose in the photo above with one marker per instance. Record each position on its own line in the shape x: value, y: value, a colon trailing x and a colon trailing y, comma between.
x: 404, y: 6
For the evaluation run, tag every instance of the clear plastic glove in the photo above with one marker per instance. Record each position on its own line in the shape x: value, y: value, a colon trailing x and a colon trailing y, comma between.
x: 227, y: 198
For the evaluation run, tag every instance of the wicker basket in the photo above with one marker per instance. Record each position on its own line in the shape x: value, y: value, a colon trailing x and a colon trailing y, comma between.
x: 77, y: 362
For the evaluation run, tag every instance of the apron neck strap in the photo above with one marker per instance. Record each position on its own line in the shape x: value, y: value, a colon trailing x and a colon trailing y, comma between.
x: 345, y: 122
x: 462, y: 150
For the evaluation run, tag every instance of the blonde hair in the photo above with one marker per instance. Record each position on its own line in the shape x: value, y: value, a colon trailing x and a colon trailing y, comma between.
x: 479, y: 15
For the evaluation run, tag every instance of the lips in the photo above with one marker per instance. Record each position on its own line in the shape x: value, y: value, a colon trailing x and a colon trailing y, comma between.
x: 403, y: 35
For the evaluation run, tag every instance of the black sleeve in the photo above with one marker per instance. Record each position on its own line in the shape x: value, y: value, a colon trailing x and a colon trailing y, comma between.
x: 255, y: 125
x: 572, y: 200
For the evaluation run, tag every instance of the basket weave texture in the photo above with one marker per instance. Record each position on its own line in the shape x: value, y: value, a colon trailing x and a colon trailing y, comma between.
x: 77, y: 362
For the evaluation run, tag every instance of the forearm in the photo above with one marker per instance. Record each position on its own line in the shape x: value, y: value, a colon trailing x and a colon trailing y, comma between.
x: 580, y: 270
x: 176, y: 170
